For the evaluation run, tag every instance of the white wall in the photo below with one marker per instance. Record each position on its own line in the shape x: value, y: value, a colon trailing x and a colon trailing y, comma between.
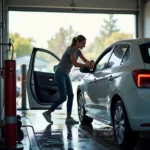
x: 147, y: 20
x: 3, y: 52
x: 82, y: 4
x: 0, y: 21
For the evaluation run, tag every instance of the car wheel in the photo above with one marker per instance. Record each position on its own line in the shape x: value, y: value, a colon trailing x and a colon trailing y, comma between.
x: 81, y: 111
x: 124, y: 136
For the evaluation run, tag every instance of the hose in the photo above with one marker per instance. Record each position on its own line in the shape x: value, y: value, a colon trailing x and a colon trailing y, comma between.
x: 33, y: 133
x: 25, y: 126
x: 12, y: 54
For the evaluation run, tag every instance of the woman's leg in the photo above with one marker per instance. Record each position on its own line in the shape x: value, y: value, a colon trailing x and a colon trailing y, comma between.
x: 60, y: 81
x: 69, y: 119
x: 70, y: 96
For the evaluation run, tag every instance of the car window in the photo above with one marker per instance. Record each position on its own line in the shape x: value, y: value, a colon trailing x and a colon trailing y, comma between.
x: 117, y: 55
x: 103, y: 61
x: 145, y: 52
x: 44, y: 62
x: 126, y: 56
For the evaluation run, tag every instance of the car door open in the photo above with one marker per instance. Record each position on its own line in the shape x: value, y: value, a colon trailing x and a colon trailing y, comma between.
x: 41, y: 87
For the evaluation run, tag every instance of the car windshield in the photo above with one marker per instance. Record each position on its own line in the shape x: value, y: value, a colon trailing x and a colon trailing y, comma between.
x: 145, y: 52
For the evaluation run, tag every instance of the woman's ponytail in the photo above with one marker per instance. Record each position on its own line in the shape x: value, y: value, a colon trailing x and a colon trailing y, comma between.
x: 74, y: 41
x: 79, y: 38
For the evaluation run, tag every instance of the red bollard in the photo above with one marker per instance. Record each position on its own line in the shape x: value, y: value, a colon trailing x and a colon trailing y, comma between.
x: 10, y: 104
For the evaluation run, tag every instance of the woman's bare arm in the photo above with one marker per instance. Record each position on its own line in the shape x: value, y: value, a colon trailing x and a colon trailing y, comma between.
x: 77, y: 64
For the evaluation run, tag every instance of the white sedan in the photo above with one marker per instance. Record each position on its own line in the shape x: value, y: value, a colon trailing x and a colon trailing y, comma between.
x: 117, y: 91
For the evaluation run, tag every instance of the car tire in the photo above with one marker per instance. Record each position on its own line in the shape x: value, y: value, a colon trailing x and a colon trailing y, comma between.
x: 124, y: 136
x: 82, y: 112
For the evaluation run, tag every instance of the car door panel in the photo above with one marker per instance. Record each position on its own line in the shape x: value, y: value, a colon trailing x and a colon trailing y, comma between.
x: 45, y: 87
x: 92, y: 90
x: 87, y: 84
x: 100, y: 81
x: 109, y: 77
x: 45, y: 79
x: 41, y: 87
x: 103, y: 84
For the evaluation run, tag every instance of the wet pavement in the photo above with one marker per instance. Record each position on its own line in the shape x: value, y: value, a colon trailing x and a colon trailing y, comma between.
x: 60, y: 136
x: 39, y: 135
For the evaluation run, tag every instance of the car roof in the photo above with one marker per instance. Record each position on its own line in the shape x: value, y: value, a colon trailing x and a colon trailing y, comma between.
x: 131, y: 41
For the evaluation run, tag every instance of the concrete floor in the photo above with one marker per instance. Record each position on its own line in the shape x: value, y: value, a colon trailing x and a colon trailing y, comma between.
x: 60, y: 136
x: 40, y: 135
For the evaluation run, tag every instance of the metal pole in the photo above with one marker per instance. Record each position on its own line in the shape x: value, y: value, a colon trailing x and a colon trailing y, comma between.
x: 1, y: 102
x: 10, y: 104
x: 140, y: 19
x: 23, y: 87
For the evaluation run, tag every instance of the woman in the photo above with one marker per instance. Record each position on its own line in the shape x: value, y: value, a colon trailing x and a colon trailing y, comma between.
x: 62, y: 78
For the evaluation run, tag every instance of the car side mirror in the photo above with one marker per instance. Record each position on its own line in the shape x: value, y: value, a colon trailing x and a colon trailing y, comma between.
x: 85, y: 70
x: 110, y: 64
x: 55, y: 68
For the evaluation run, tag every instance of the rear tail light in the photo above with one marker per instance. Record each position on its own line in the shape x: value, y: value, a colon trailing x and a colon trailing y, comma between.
x: 145, y: 125
x: 141, y: 78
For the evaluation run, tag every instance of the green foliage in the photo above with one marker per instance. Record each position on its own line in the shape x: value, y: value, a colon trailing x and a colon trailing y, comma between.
x: 91, y: 55
x: 109, y: 33
x: 22, y: 46
x: 61, y: 41
x: 117, y: 36
x: 107, y: 29
x: 95, y: 48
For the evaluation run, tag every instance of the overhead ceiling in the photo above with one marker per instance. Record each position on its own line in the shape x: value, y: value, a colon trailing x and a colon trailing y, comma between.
x: 99, y: 5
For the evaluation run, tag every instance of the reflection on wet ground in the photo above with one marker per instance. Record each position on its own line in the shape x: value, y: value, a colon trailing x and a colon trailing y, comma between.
x: 60, y: 136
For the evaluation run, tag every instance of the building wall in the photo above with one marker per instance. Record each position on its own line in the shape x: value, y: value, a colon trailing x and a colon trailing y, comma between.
x: 0, y: 21
x: 3, y: 49
x: 147, y: 20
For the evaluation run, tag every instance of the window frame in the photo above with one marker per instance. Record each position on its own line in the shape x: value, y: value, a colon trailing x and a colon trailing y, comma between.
x: 107, y: 50
x: 145, y: 59
x: 128, y: 48
x: 48, y: 61
x: 33, y: 54
x: 127, y: 51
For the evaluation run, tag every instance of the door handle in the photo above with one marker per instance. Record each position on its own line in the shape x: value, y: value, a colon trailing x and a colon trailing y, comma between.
x: 110, y: 78
x: 50, y: 80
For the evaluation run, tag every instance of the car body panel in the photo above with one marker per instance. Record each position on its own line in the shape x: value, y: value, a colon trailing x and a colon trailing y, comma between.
x: 103, y: 92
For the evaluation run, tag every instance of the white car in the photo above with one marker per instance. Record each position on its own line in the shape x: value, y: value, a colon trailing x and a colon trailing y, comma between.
x: 117, y: 91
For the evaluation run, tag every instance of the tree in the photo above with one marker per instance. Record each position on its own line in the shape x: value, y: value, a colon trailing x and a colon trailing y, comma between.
x: 94, y: 49
x: 106, y: 30
x: 22, y: 46
x: 117, y: 36
x: 109, y: 27
x: 109, y: 33
x: 61, y: 41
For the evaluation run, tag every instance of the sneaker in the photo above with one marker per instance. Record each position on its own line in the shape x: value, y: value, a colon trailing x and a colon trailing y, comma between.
x: 71, y: 121
x: 47, y: 117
